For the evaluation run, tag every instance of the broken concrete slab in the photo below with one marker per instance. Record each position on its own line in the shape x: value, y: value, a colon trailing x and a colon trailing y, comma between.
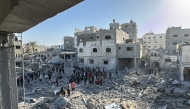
x: 180, y: 105
x: 175, y: 82
x: 188, y: 102
x: 169, y: 90
x: 61, y: 101
x: 178, y: 92
x: 163, y: 107
x: 113, y: 106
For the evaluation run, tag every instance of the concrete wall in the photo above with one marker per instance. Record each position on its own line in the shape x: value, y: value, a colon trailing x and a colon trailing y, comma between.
x: 181, y: 38
x: 184, y: 61
x: 123, y: 53
x: 99, y: 62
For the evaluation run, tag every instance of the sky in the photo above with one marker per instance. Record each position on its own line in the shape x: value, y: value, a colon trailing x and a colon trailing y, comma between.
x: 150, y: 15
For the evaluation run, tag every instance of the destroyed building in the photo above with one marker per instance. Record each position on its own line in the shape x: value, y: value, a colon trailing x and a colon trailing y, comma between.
x: 109, y: 48
x: 184, y: 61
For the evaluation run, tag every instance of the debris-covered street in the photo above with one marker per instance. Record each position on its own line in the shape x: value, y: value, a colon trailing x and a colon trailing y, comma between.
x: 129, y: 89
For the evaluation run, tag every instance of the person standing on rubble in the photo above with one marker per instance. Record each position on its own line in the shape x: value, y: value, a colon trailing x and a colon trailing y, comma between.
x: 116, y: 71
x: 68, y: 89
x: 40, y: 78
x: 85, y: 79
x: 110, y: 75
x: 49, y: 74
x: 57, y: 80
x: 73, y: 85
x: 32, y: 75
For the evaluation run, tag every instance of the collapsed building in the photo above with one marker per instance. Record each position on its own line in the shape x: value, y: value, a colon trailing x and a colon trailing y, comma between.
x: 109, y: 48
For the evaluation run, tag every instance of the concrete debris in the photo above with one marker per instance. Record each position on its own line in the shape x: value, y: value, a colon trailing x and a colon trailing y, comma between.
x: 112, y: 106
x: 188, y: 102
x: 129, y: 89
x: 178, y: 92
x: 169, y: 90
x: 175, y: 82
x: 162, y: 81
x: 163, y: 107
x: 180, y: 105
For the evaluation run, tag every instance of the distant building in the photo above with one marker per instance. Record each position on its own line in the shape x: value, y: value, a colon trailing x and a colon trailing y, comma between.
x: 38, y: 48
x: 68, y: 43
x: 154, y: 41
x: 18, y: 52
x: 174, y: 36
x: 184, y: 61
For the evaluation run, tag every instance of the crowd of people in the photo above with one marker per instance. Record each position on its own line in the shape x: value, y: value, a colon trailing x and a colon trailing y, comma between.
x: 80, y: 75
x: 154, y: 70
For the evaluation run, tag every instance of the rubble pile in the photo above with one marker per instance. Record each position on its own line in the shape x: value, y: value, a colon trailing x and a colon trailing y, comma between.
x: 126, y: 90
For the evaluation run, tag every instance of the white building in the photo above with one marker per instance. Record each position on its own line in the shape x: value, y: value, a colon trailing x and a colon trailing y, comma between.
x: 159, y: 58
x: 102, y: 47
x: 184, y: 61
x: 154, y: 41
x: 174, y: 36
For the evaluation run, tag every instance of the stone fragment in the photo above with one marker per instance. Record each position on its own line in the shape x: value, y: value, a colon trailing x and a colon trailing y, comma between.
x: 180, y: 105
x: 168, y: 90
x: 175, y: 82
x: 188, y: 102
x: 163, y: 107
x: 178, y: 92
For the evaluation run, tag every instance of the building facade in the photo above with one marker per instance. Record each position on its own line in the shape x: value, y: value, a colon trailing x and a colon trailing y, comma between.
x: 159, y: 58
x: 174, y: 36
x: 68, y: 43
x: 18, y: 51
x: 102, y: 48
x: 184, y: 61
x: 154, y: 41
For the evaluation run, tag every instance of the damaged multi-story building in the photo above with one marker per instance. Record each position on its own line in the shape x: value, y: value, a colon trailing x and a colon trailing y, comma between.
x: 68, y: 43
x: 184, y: 61
x: 160, y: 58
x: 109, y: 48
x: 174, y: 36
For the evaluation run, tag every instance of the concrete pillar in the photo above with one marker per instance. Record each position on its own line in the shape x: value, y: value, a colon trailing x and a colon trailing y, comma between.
x: 8, y: 87
x: 135, y: 60
x: 71, y: 60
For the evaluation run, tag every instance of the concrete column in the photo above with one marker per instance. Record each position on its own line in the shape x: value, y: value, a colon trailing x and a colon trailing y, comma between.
x: 71, y: 60
x: 8, y: 88
x: 135, y: 60
x: 64, y: 62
